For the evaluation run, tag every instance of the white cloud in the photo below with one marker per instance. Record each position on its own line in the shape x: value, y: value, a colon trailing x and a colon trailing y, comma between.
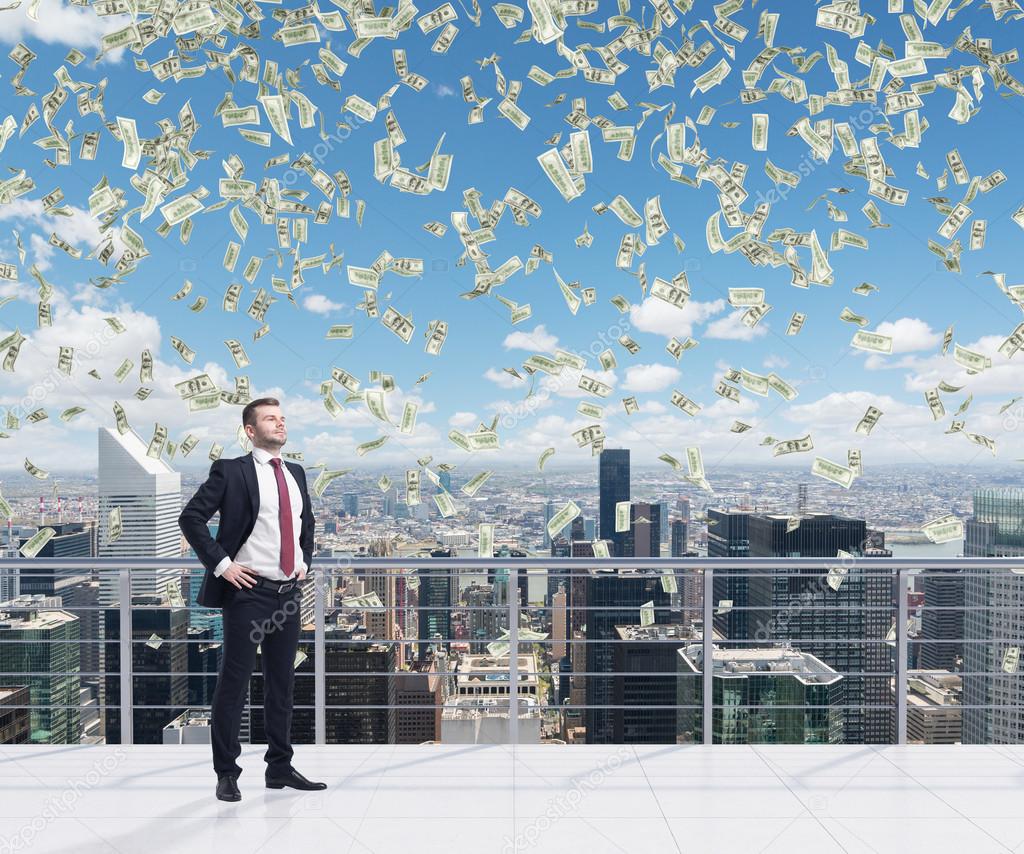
x: 657, y: 316
x: 463, y: 420
x: 319, y: 304
x: 774, y: 361
x: 566, y: 384
x: 503, y: 379
x: 909, y: 334
x: 539, y: 340
x: 647, y: 378
x: 732, y: 328
x: 443, y: 90
x: 78, y: 228
x: 61, y: 23
x: 1003, y: 377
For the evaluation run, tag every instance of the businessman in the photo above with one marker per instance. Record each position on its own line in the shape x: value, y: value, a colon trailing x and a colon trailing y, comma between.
x: 262, y: 551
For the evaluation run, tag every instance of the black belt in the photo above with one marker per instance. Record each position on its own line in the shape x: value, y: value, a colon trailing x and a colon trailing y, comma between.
x: 278, y: 586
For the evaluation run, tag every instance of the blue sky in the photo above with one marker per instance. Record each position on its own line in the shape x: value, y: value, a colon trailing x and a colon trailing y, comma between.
x: 917, y: 298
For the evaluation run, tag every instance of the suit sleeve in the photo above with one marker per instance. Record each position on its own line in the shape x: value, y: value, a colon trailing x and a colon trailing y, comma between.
x: 198, y: 512
x: 307, y: 535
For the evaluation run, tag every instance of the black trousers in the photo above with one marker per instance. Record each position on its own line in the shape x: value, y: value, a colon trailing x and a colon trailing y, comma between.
x: 257, y: 616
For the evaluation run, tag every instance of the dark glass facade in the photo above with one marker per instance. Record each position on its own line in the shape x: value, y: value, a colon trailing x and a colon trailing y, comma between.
x: 613, y: 598
x: 614, y: 487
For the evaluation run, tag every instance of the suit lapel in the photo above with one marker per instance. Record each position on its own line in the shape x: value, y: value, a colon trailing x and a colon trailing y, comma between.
x: 251, y: 483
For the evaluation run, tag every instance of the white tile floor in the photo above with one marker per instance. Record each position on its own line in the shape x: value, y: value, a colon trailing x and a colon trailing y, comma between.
x: 564, y: 799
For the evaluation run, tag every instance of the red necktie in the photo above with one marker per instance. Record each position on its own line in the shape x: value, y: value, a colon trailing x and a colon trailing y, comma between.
x: 285, y: 517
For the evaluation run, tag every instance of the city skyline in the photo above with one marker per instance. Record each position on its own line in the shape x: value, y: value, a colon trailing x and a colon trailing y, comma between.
x: 398, y: 639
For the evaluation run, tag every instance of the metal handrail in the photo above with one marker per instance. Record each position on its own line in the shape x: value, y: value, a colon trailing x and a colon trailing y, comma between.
x: 898, y: 568
x: 351, y: 562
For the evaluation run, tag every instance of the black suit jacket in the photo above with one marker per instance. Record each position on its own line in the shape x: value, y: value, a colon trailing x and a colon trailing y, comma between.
x: 232, y: 489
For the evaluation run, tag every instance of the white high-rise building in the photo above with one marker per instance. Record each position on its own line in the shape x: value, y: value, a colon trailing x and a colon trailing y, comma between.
x: 148, y: 491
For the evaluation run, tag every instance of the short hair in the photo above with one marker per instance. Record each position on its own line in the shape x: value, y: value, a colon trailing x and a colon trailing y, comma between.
x: 249, y: 412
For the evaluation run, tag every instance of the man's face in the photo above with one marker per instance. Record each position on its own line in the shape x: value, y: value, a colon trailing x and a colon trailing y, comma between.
x: 269, y: 429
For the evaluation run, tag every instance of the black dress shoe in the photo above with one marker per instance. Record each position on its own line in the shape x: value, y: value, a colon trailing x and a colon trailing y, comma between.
x: 294, y: 780
x: 227, y: 788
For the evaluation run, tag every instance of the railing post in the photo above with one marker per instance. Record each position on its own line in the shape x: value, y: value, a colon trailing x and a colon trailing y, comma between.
x: 513, y: 656
x: 707, y: 656
x: 124, y: 584
x: 902, y: 616
x: 319, y: 658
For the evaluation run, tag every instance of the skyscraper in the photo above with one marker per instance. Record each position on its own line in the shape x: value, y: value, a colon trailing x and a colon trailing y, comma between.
x: 763, y: 696
x: 613, y: 482
x: 727, y: 537
x: 391, y: 502
x: 576, y: 529
x: 159, y: 668
x: 845, y: 628
x: 77, y: 594
x: 42, y: 642
x: 72, y: 539
x: 613, y: 598
x: 350, y: 503
x: 360, y: 689
x: 993, y: 620
x: 435, y: 602
x: 646, y: 677
x: 418, y: 697
x: 643, y: 539
x: 727, y: 533
x: 148, y: 491
x: 380, y: 624
x: 942, y: 619
x: 680, y: 537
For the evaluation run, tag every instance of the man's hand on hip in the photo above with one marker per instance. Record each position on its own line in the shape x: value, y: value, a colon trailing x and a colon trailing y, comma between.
x: 240, y: 575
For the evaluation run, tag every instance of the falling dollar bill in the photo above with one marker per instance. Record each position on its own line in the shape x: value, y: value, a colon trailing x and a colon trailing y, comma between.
x: 445, y: 504
x: 485, y: 540
x: 872, y: 342
x: 622, y: 516
x: 472, y: 486
x: 647, y: 614
x: 837, y: 574
x: 868, y: 421
x: 325, y: 479
x: 363, y: 601
x: 842, y: 475
x: 114, y: 525
x: 944, y: 529
x: 35, y: 544
x: 563, y: 517
x: 792, y: 446
x: 35, y: 471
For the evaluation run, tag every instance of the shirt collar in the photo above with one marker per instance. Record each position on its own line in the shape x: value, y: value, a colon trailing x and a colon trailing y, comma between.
x: 262, y: 456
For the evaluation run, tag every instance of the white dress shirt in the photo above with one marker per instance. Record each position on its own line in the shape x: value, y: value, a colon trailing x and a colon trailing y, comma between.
x: 262, y: 551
